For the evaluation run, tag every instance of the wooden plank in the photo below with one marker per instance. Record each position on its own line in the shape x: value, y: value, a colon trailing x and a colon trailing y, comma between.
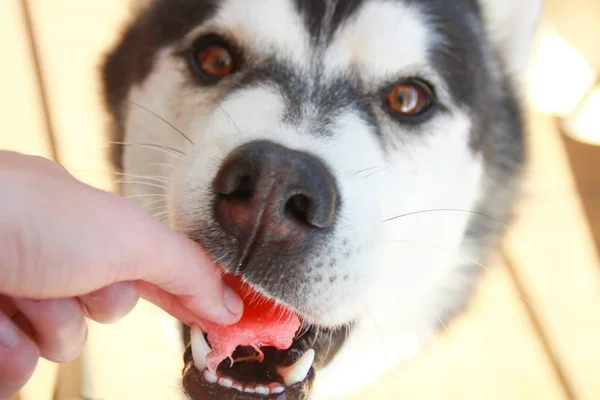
x: 72, y: 36
x: 138, y: 358
x: 557, y: 263
x: 552, y: 244
x: 492, y: 352
x: 22, y: 121
x: 577, y: 21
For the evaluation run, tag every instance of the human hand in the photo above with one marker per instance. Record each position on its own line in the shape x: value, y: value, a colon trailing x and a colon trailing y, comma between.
x: 69, y: 251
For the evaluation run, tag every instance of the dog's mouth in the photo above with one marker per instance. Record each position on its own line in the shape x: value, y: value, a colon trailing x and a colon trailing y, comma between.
x: 262, y: 373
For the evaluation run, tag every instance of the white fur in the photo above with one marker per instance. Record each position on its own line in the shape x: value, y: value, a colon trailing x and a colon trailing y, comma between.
x: 264, y: 25
x: 395, y: 293
x: 511, y: 25
x: 382, y: 38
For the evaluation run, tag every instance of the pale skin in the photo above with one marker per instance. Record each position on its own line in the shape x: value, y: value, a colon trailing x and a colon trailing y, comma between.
x: 69, y: 252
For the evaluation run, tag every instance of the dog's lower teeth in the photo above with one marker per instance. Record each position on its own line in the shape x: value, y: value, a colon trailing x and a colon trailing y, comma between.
x: 291, y: 375
x: 210, y: 377
x: 261, y: 390
x: 226, y: 382
x: 200, y: 348
x: 277, y: 389
x: 238, y: 387
x: 297, y: 372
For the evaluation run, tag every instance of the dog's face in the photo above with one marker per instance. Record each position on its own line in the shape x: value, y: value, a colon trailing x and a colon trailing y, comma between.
x: 338, y: 155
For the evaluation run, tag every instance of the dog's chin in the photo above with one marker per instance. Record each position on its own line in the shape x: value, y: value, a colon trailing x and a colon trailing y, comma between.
x: 281, y: 374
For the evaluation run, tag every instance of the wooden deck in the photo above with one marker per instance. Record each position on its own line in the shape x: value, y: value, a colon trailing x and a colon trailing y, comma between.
x: 532, y: 332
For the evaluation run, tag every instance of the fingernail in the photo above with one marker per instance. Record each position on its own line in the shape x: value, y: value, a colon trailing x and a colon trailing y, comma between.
x: 233, y: 302
x: 10, y: 335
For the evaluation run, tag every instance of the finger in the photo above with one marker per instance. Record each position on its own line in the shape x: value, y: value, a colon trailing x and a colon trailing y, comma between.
x: 196, y: 281
x: 59, y: 328
x: 19, y: 356
x: 110, y: 304
x: 7, y: 307
x: 168, y: 302
x: 98, y: 238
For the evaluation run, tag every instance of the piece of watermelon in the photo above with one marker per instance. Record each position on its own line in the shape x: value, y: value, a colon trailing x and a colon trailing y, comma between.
x: 263, y: 323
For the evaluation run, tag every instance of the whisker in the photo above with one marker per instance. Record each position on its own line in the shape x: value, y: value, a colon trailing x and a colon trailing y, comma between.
x: 161, y: 214
x: 168, y: 165
x: 329, y: 344
x: 164, y: 149
x: 137, y: 196
x: 379, y: 331
x: 376, y: 172
x: 385, y: 287
x: 317, y: 333
x: 142, y: 183
x: 347, y: 327
x: 163, y: 120
x: 157, y: 208
x: 444, y: 209
x: 368, y: 169
x: 442, y: 323
x: 150, y: 178
x: 153, y: 202
x: 304, y: 328
x: 428, y: 245
x: 228, y: 117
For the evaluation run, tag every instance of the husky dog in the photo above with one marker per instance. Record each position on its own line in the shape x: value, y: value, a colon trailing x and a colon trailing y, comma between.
x: 353, y: 159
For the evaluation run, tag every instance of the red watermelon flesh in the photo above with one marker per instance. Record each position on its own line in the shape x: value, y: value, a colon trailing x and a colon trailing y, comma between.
x: 263, y: 323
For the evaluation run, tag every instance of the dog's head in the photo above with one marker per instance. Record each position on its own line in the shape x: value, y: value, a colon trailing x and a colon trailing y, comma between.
x: 350, y: 158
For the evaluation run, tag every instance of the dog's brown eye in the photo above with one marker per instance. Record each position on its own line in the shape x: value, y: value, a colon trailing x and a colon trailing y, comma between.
x: 409, y: 98
x: 215, y: 61
x: 212, y: 59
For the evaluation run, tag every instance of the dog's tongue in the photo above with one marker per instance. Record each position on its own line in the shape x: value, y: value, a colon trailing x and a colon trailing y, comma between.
x: 263, y: 323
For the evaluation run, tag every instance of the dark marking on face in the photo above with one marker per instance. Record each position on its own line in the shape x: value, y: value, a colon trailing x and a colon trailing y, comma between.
x: 344, y: 10
x: 309, y: 99
x: 132, y: 60
x: 313, y: 12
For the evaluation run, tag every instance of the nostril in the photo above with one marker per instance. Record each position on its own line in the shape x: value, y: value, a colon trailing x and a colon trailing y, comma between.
x: 242, y: 190
x: 298, y: 206
x: 234, y: 184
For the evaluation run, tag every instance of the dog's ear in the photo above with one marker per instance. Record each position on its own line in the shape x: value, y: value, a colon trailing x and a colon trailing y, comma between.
x: 137, y: 6
x: 511, y: 26
x: 126, y: 63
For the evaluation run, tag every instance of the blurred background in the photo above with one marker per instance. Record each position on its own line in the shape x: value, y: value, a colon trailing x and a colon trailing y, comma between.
x: 533, y: 328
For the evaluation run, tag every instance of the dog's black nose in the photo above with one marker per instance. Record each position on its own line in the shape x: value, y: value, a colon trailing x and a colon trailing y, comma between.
x: 272, y: 197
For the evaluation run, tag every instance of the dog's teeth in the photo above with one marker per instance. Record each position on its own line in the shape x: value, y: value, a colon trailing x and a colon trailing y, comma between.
x: 249, y: 390
x: 238, y: 387
x: 200, y: 348
x: 210, y: 377
x: 297, y: 372
x: 226, y: 382
x: 277, y: 389
x: 261, y: 390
